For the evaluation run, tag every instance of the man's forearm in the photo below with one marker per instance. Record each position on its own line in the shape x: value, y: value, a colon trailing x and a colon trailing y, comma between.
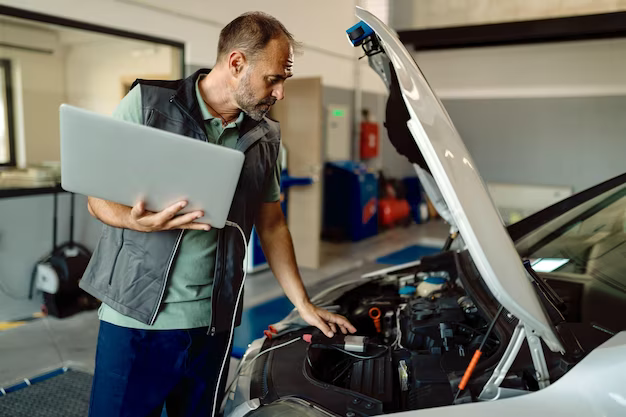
x: 278, y: 248
x: 110, y: 213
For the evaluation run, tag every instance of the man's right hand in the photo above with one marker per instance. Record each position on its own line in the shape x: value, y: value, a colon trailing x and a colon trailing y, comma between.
x: 168, y: 219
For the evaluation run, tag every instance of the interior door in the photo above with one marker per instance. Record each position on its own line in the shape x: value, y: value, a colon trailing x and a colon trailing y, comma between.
x: 300, y: 117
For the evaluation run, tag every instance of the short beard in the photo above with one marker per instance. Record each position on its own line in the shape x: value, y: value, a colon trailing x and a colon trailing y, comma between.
x: 247, y: 102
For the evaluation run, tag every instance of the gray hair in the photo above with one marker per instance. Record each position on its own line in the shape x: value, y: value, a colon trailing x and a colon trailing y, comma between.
x: 250, y: 33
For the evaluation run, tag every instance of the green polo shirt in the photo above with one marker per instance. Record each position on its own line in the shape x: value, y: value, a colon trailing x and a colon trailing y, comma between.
x: 187, y: 302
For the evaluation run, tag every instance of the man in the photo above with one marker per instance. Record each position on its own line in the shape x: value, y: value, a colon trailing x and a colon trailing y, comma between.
x: 171, y: 286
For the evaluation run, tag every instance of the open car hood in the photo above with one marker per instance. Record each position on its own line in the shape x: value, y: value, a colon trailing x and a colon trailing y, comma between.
x: 420, y: 129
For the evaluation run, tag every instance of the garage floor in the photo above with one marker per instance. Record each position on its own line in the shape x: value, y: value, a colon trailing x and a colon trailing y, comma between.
x: 46, y: 344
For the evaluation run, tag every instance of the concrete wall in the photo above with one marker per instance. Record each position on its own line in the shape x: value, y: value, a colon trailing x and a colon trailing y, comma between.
x: 376, y: 104
x: 420, y: 14
x: 546, y: 114
x: 577, y: 142
x: 343, y: 97
x: 26, y: 236
x: 561, y: 69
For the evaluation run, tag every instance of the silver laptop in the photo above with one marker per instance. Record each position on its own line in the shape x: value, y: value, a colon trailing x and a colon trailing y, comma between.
x: 124, y: 162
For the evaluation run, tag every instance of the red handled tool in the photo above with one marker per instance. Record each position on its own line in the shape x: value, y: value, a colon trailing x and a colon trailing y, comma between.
x: 271, y: 332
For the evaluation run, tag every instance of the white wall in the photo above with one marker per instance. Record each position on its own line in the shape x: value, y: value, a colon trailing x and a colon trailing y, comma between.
x: 97, y: 70
x: 575, y: 142
x: 420, y: 14
x: 563, y: 69
x: 319, y: 25
x: 544, y: 114
x: 38, y: 88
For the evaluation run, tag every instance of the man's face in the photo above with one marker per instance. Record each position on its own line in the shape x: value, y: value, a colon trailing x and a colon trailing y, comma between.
x: 263, y: 81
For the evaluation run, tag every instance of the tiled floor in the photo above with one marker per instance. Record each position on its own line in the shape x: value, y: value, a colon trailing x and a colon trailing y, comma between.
x: 18, y: 309
x: 46, y: 344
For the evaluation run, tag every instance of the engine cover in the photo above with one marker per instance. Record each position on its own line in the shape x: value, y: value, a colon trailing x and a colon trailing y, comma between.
x: 424, y: 321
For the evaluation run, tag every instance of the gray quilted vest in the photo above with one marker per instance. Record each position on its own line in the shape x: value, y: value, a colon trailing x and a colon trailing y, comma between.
x: 129, y: 270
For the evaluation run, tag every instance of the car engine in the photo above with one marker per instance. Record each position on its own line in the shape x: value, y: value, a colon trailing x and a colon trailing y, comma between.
x: 427, y: 327
x: 417, y: 332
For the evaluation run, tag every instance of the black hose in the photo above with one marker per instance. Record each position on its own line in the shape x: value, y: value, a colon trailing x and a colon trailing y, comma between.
x: 448, y: 244
x: 484, y: 301
x: 493, y: 323
x: 469, y: 370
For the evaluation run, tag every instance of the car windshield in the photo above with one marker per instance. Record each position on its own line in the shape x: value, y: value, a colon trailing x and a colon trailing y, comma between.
x: 587, y: 242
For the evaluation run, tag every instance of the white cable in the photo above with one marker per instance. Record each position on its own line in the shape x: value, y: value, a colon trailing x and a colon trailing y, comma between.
x: 232, y: 325
x: 273, y: 348
x: 398, y: 342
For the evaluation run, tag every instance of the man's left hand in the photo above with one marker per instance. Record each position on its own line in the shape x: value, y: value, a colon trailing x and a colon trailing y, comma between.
x: 324, y: 320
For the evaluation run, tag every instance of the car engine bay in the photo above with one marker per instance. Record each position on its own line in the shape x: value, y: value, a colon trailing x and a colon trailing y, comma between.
x: 417, y: 332
x: 423, y: 339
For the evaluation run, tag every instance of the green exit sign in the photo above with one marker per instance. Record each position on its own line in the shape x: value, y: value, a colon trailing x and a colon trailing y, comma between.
x: 339, y: 112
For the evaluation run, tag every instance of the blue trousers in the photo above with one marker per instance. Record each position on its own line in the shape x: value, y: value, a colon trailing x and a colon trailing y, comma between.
x: 140, y: 371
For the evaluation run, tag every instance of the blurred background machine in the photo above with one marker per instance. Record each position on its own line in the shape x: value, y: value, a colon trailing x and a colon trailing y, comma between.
x: 350, y: 201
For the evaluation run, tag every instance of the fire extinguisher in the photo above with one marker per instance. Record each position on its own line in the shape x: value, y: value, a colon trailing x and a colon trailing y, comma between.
x: 369, y: 137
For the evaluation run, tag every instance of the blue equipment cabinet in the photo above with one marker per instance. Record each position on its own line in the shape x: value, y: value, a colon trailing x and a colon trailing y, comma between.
x: 350, y: 201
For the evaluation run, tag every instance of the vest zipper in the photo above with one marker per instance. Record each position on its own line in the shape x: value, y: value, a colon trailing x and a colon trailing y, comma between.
x: 206, y: 139
x: 167, y: 274
x: 186, y: 113
x: 117, y: 255
x: 212, y: 330
x: 220, y: 255
x: 180, y: 235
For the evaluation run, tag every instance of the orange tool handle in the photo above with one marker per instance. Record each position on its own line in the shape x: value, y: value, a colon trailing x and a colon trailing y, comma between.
x: 375, y: 314
x: 377, y: 325
x: 469, y: 370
